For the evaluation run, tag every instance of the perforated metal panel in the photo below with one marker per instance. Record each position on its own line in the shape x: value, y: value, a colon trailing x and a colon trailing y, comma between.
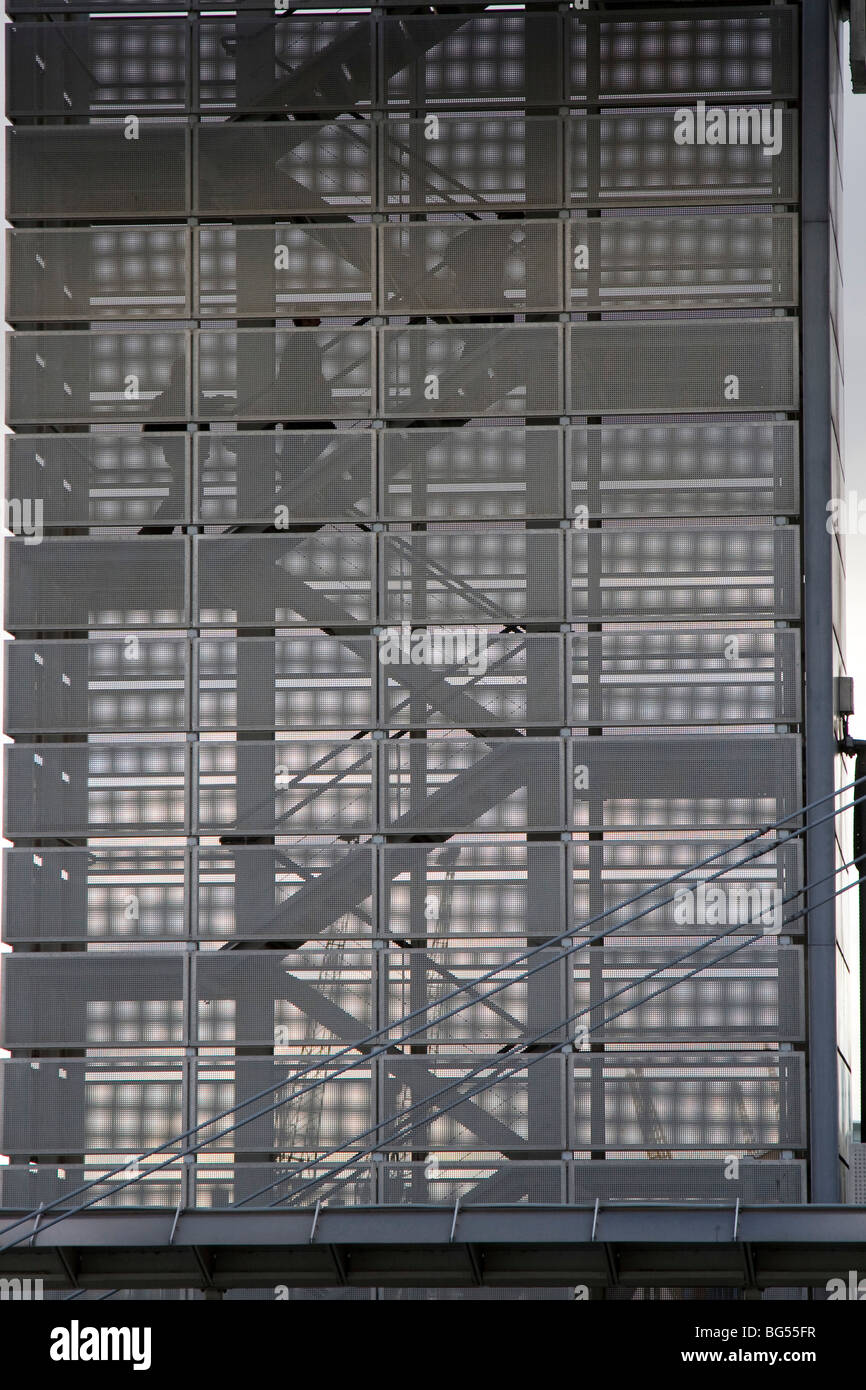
x: 301, y: 374
x: 290, y: 787
x: 682, y: 262
x: 447, y: 1181
x: 751, y: 996
x: 514, y: 680
x: 470, y: 474
x: 472, y: 784
x: 67, y: 377
x: 692, y: 782
x: 309, y: 682
x: 670, y: 677
x: 93, y: 1000
x: 101, y: 479
x: 472, y: 890
x: 619, y: 158
x: 26, y: 1187
x: 724, y: 51
x: 685, y: 572
x: 91, y: 1106
x: 339, y: 1109
x: 481, y: 267
x: 609, y: 876
x: 293, y: 474
x: 95, y: 789
x: 466, y: 162
x: 713, y: 365
x: 701, y: 1180
x: 264, y: 271
x: 470, y: 370
x: 97, y: 66
x: 63, y: 172
x: 472, y: 577
x: 71, y: 583
x: 286, y: 167
x: 689, y: 1100
x: 520, y: 1108
x: 472, y: 59
x: 324, y: 997
x: 298, y: 580
x: 724, y: 469
x: 276, y: 892
x: 104, y: 273
x: 120, y: 894
x: 287, y: 63
x: 97, y: 685
x: 221, y: 1184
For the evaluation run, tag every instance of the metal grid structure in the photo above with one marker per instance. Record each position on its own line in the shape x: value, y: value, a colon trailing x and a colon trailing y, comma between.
x: 416, y: 428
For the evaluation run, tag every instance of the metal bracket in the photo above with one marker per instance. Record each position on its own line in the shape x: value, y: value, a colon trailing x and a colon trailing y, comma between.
x: 315, y: 1220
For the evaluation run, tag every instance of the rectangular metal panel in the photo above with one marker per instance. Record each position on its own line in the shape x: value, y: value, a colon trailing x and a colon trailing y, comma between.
x: 286, y: 788
x: 622, y: 158
x: 472, y: 59
x: 473, y: 577
x: 472, y: 784
x: 92, y: 583
x: 516, y: 680
x: 473, y: 890
x: 471, y: 370
x: 501, y: 267
x: 461, y: 163
x: 682, y: 262
x: 309, y: 580
x: 285, y: 475
x: 265, y: 891
x: 98, y: 685
x: 470, y: 474
x: 729, y: 468
x: 474, y: 1183
x: 655, y: 882
x: 98, y: 67
x: 101, y: 479
x: 93, y: 1000
x: 285, y: 168
x: 331, y: 1115
x: 262, y: 272
x: 639, y: 994
x: 95, y: 789
x: 685, y: 572
x: 692, y: 782
x: 65, y: 378
x: 689, y: 1100
x: 297, y: 373
x: 717, y: 365
x: 97, y: 273
x: 285, y: 63
x: 698, y: 1179
x: 315, y: 997
x: 669, y: 677
x: 300, y: 682
x: 64, y: 172
x: 120, y: 894
x: 28, y: 1186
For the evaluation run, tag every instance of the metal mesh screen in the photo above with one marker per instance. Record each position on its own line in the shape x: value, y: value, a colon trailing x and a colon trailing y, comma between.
x: 280, y: 891
x: 470, y: 474
x: 473, y: 577
x: 289, y: 63
x: 670, y: 677
x: 71, y: 583
x: 309, y: 997
x: 94, y: 1000
x: 682, y: 262
x: 481, y: 267
x: 305, y: 373
x: 310, y: 580
x: 309, y: 682
x: 681, y: 572
x: 282, y: 168
x: 67, y: 377
x: 466, y: 162
x: 93, y: 789
x: 101, y: 479
x: 62, y: 172
x: 724, y: 469
x: 97, y: 66
x: 99, y: 273
x: 470, y: 370
x: 340, y: 1108
x: 97, y: 685
x: 472, y: 784
x: 726, y: 364
x: 297, y: 475
x: 264, y: 271
x: 291, y: 787
x: 472, y: 59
